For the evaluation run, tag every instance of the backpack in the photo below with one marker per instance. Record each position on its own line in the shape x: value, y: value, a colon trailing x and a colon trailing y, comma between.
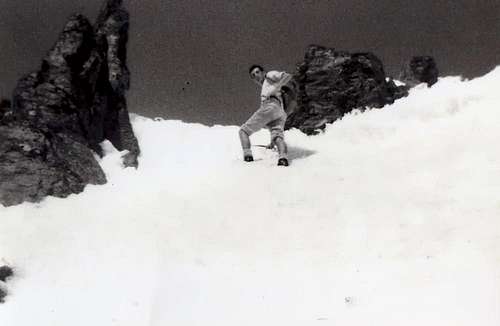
x: 289, y: 96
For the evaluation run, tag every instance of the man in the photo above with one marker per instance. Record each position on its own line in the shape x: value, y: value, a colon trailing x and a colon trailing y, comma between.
x: 270, y: 114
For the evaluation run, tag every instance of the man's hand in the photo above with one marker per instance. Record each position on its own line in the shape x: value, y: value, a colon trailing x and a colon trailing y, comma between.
x: 272, y: 146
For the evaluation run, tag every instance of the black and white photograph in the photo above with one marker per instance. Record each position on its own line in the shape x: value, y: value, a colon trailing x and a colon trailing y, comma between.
x: 263, y: 163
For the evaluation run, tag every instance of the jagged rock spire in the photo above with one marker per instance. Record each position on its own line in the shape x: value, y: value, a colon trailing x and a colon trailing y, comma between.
x: 62, y: 112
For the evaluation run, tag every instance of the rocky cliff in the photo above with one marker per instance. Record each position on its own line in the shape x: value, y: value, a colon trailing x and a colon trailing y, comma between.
x: 50, y: 136
x: 330, y: 83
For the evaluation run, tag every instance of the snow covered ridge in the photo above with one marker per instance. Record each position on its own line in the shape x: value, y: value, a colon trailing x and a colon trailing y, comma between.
x: 390, y: 217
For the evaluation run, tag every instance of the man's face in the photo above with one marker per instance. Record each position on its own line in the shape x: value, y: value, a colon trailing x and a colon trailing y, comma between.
x: 257, y: 75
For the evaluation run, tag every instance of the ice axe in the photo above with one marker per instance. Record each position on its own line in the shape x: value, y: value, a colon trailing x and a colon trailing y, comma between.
x: 265, y: 146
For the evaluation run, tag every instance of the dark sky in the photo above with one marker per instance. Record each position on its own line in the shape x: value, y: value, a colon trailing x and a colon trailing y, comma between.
x: 189, y: 58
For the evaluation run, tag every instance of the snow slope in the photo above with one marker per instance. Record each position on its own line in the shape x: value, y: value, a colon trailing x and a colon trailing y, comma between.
x: 391, y: 217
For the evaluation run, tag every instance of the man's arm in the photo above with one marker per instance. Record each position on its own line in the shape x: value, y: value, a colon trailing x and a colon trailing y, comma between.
x: 278, y: 79
x: 286, y: 78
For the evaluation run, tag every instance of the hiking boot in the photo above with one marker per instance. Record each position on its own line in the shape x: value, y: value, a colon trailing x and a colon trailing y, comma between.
x: 248, y: 158
x: 283, y: 162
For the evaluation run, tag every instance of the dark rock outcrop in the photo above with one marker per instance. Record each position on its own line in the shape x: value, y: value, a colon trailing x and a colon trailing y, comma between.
x: 331, y: 83
x: 420, y: 69
x: 37, y: 162
x: 5, y: 273
x: 62, y: 112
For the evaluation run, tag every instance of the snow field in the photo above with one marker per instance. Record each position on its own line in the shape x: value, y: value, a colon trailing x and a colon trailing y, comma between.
x: 390, y: 217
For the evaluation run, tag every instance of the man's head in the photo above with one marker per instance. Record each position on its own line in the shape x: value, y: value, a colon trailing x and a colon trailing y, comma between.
x: 257, y: 73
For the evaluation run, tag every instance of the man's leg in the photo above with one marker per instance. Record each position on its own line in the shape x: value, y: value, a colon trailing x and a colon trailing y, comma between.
x: 256, y: 122
x: 282, y: 151
x: 246, y: 145
x: 282, y: 148
x: 278, y: 137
